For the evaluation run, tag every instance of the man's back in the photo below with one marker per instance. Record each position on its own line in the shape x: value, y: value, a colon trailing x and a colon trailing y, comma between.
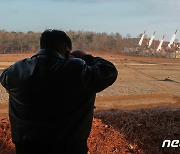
x: 51, y: 96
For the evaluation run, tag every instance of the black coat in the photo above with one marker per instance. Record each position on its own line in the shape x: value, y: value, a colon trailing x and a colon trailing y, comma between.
x: 52, y: 98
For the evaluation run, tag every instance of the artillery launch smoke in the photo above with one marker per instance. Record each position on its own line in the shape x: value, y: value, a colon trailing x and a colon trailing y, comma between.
x: 172, y: 39
x: 160, y: 44
x: 142, y: 37
x: 152, y: 38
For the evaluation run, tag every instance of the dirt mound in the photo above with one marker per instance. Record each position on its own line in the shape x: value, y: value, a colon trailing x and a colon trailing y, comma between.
x: 103, y: 140
x: 106, y: 140
x: 139, y: 131
x: 6, y: 145
x: 147, y: 128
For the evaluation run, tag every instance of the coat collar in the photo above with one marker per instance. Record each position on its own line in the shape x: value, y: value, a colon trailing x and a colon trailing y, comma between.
x: 48, y: 52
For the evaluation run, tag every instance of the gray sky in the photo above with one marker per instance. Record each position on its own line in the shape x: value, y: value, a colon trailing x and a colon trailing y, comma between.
x: 123, y: 16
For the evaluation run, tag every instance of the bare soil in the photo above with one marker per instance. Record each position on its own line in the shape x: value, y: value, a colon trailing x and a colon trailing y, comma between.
x: 133, y: 115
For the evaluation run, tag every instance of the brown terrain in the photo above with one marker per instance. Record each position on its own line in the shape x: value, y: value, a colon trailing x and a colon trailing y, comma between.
x: 133, y: 116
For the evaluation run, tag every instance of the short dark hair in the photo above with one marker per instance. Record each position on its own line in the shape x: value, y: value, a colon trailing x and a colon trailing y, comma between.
x: 51, y: 38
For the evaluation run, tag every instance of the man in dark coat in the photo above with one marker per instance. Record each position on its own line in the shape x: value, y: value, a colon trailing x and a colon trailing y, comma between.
x: 52, y: 95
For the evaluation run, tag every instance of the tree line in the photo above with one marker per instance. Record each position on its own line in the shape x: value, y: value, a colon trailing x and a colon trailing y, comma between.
x: 21, y: 42
x: 18, y: 42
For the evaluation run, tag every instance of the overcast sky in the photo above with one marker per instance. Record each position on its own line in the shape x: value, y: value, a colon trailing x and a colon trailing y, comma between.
x: 122, y: 16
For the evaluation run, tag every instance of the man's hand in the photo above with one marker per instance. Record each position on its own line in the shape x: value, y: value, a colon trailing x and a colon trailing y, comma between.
x: 78, y: 54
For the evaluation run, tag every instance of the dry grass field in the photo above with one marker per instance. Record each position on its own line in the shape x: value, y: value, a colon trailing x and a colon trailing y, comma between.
x: 134, y: 115
x: 142, y: 82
